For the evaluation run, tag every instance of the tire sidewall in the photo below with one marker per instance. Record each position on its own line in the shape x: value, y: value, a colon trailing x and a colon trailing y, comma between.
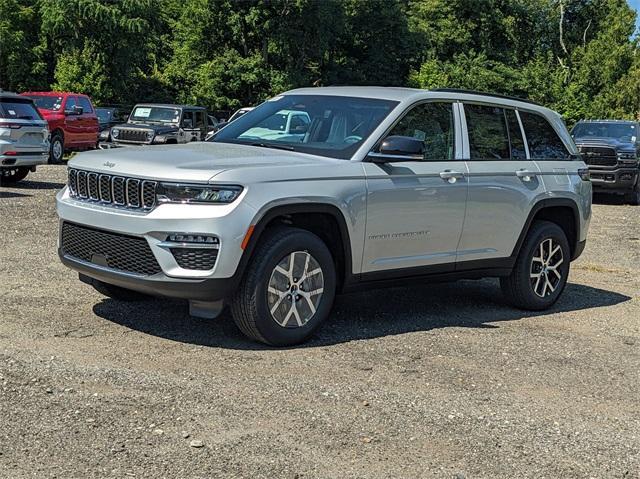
x: 272, y: 332
x: 56, y: 139
x: 544, y: 232
x: 20, y: 174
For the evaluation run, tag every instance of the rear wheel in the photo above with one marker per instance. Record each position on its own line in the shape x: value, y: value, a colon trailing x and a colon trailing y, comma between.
x: 633, y: 197
x: 10, y: 176
x: 56, y: 151
x: 541, y: 270
x: 288, y: 289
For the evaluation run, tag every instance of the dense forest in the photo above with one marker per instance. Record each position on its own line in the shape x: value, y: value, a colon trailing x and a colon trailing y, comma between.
x: 576, y: 56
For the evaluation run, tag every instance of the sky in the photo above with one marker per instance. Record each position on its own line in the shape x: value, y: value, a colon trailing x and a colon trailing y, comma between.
x: 636, y: 4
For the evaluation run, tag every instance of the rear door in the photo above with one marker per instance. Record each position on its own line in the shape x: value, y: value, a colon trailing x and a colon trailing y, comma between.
x: 503, y: 182
x: 415, y: 209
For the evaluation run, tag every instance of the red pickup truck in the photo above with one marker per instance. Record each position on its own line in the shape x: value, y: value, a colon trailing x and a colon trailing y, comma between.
x: 72, y: 121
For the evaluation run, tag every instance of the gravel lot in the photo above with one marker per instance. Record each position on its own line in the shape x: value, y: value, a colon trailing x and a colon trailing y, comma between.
x: 432, y: 381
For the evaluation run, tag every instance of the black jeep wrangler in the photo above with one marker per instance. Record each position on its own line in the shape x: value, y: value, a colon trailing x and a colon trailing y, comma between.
x: 610, y: 148
x: 153, y: 124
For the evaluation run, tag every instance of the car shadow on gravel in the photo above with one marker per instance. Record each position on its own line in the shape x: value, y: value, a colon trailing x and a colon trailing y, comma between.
x: 372, y: 314
x: 12, y: 194
x: 37, y: 185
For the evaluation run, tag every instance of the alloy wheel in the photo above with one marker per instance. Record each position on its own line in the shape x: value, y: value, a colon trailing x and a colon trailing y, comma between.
x: 546, y: 274
x: 57, y: 150
x: 295, y: 289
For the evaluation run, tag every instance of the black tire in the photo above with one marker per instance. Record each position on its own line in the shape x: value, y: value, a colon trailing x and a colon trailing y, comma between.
x: 56, y: 149
x: 633, y: 197
x: 10, y: 176
x: 118, y: 293
x: 520, y: 287
x: 250, y: 303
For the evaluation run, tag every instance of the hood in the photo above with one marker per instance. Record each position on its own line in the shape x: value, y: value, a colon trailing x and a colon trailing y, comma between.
x: 605, y: 141
x: 158, y: 129
x: 195, y: 162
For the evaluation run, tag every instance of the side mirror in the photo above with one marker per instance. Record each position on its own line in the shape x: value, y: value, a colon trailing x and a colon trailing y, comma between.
x: 399, y: 148
x: 75, y: 110
x: 187, y: 123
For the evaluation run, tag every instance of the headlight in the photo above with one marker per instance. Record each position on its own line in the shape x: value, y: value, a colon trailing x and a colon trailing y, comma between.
x: 177, y: 193
x: 150, y: 135
x: 115, y: 133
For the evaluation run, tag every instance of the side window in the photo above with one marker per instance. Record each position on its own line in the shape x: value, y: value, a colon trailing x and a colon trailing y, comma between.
x: 433, y: 124
x: 71, y: 103
x: 518, y: 151
x: 85, y: 104
x: 544, y: 143
x: 188, y: 115
x: 200, y: 120
x: 488, y: 135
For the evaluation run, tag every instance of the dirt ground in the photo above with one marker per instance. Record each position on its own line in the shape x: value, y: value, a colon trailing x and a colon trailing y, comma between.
x: 430, y: 381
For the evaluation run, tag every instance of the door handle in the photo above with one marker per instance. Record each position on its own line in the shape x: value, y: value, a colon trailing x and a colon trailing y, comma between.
x: 526, y: 175
x: 451, y: 176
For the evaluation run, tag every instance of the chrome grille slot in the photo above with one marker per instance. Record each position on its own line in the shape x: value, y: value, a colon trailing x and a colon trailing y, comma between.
x: 82, y: 184
x: 131, y: 193
x: 118, y: 191
x: 148, y: 194
x: 92, y: 186
x: 105, y: 188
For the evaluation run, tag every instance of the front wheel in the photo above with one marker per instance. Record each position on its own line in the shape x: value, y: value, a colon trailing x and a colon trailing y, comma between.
x: 633, y: 197
x: 10, y: 176
x: 541, y: 270
x: 288, y: 289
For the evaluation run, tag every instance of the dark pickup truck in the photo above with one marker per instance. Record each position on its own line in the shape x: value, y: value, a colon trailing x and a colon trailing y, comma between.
x: 611, y: 149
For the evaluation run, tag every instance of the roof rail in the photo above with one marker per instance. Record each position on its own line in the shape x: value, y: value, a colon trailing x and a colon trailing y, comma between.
x: 482, y: 93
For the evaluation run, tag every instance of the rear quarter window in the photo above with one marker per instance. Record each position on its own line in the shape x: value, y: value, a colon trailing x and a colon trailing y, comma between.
x: 18, y: 110
x: 544, y: 143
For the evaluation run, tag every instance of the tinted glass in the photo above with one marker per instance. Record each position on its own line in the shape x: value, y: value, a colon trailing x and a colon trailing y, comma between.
x: 155, y: 114
x: 488, y: 136
x: 47, y: 102
x: 200, y: 119
x: 433, y: 124
x: 71, y: 102
x: 515, y: 136
x: 85, y: 104
x: 18, y: 110
x: 188, y: 116
x: 621, y: 131
x: 337, y: 124
x: 105, y: 115
x: 544, y: 143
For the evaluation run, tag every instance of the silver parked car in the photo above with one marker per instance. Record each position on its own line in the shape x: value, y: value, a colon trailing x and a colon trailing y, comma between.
x: 381, y: 185
x: 24, y: 138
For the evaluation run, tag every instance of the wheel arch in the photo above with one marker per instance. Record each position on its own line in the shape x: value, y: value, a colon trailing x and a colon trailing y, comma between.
x: 562, y: 211
x: 325, y: 220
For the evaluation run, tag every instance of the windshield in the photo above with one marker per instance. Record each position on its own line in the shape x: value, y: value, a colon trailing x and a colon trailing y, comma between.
x: 333, y: 126
x: 104, y: 114
x: 619, y: 131
x: 18, y: 110
x: 157, y: 114
x: 239, y: 113
x: 47, y: 102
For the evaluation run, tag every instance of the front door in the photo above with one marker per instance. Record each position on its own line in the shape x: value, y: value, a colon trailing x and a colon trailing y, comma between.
x: 73, y: 123
x: 415, y: 209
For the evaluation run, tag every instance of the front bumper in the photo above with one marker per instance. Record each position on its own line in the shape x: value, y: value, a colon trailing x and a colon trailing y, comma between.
x: 228, y: 223
x: 613, y: 180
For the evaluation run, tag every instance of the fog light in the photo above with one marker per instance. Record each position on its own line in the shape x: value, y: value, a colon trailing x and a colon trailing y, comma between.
x: 196, y: 239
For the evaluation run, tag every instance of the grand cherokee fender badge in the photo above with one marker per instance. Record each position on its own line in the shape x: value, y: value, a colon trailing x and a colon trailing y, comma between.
x: 108, y: 164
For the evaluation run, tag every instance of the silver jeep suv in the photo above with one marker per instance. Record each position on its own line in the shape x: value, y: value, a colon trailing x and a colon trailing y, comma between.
x: 379, y: 185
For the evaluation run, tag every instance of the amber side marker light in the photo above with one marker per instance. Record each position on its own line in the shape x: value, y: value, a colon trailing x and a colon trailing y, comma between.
x: 247, y: 237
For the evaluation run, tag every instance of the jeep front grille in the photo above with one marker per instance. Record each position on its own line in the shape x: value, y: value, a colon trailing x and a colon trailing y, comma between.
x: 129, y: 254
x: 112, y: 190
x: 599, y: 155
x: 135, y: 135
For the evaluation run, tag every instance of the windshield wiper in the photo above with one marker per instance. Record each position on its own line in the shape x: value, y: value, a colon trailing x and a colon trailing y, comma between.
x: 273, y: 145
